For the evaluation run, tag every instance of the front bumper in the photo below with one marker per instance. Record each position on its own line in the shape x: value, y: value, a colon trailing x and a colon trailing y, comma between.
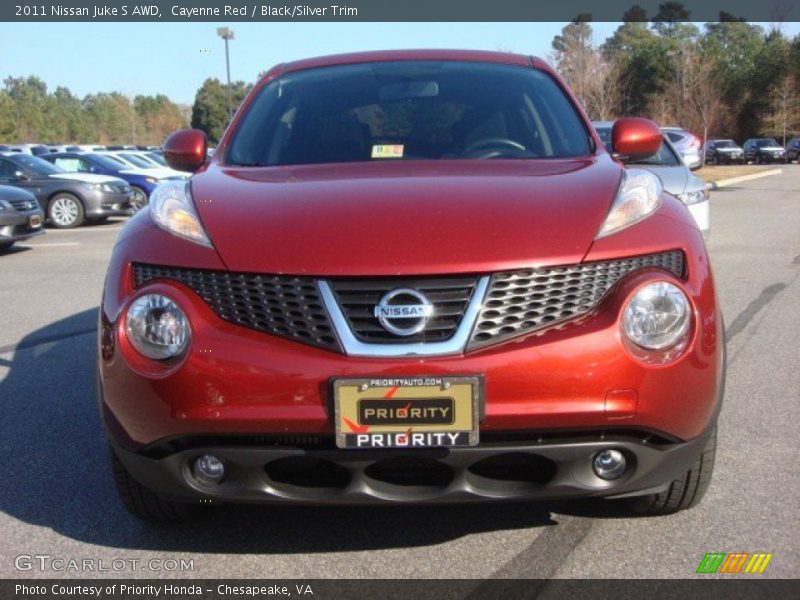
x: 532, y: 469
x: 106, y: 204
x: 701, y: 211
x: 16, y: 226
x: 730, y: 157
x: 248, y: 396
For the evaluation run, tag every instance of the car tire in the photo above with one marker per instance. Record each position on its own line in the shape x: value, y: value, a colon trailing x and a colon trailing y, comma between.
x: 65, y: 211
x: 685, y: 492
x: 140, y: 199
x: 145, y: 504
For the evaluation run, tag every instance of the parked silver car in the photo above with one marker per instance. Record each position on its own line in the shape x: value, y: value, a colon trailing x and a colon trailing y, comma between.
x: 676, y: 177
x: 687, y: 144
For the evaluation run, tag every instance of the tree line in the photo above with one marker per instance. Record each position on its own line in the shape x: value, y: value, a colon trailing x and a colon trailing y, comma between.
x: 730, y: 78
x: 29, y: 113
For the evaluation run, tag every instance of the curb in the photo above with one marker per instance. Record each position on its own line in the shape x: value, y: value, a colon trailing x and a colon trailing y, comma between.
x: 715, y: 185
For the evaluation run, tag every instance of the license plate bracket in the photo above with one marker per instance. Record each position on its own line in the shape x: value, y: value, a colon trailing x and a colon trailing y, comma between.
x: 407, y: 412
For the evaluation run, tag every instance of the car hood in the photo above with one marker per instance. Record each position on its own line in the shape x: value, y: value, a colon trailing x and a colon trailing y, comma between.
x: 8, y: 192
x: 728, y: 149
x: 400, y: 218
x: 166, y: 173
x: 772, y: 148
x: 86, y: 177
x: 140, y: 172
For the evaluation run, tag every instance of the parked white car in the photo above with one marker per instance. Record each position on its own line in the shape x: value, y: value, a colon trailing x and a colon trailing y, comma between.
x: 132, y: 161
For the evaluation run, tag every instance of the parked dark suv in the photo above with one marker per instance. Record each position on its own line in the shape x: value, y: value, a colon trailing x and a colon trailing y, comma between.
x: 723, y: 152
x: 793, y: 150
x: 67, y: 199
x: 763, y: 150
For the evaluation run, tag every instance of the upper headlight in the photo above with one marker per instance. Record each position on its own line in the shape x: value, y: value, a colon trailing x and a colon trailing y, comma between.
x: 638, y: 197
x: 171, y: 208
x: 657, y: 317
x: 4, y: 204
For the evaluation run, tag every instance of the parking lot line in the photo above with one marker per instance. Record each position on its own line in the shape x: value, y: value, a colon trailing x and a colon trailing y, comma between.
x: 86, y: 229
x: 53, y: 244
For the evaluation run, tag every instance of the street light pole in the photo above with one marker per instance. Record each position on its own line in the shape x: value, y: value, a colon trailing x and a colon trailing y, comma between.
x: 227, y: 34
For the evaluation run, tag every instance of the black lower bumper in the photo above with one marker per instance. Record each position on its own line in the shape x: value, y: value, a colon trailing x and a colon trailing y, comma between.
x: 490, y: 471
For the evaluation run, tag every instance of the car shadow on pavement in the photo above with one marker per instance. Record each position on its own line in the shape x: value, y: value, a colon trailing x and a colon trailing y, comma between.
x: 17, y: 248
x: 56, y: 474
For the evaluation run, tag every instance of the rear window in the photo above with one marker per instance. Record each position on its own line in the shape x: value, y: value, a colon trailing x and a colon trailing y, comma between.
x: 421, y: 110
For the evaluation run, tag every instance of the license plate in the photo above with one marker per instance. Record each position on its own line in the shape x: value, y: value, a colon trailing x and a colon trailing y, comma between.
x: 406, y: 412
x: 35, y: 221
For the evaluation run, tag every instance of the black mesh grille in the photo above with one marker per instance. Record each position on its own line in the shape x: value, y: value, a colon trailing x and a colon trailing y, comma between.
x: 449, y: 296
x: 519, y: 302
x: 289, y: 307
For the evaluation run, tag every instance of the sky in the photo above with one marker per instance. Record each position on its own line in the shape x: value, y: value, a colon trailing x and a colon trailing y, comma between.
x: 175, y: 58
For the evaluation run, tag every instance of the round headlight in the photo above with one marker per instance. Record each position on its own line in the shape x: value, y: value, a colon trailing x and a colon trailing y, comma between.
x: 156, y: 327
x: 657, y: 317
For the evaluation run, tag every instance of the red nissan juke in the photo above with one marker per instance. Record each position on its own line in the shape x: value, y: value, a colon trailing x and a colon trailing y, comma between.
x: 411, y: 277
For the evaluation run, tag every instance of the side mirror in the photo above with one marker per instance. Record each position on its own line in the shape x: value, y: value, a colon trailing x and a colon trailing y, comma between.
x: 185, y: 150
x: 634, y: 138
x: 20, y: 176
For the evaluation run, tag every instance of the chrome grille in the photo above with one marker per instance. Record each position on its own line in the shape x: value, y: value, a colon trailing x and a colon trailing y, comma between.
x: 23, y: 205
x: 519, y: 302
x: 285, y: 306
x: 358, y: 298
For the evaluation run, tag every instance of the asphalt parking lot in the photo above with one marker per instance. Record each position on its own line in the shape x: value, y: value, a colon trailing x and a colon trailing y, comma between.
x: 57, y: 499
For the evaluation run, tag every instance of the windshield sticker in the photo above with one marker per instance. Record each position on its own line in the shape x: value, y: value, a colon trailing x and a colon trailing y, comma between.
x: 387, y: 151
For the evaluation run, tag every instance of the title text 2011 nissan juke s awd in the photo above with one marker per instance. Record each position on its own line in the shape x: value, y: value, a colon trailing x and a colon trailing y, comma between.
x: 411, y: 277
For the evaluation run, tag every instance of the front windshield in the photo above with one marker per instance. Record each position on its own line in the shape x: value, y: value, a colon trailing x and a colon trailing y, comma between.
x: 766, y: 143
x: 422, y: 110
x: 725, y: 144
x: 36, y: 164
x: 138, y: 161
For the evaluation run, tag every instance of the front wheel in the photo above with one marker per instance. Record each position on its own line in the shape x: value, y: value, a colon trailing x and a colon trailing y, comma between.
x: 685, y: 492
x: 140, y: 199
x: 65, y: 211
x: 143, y: 503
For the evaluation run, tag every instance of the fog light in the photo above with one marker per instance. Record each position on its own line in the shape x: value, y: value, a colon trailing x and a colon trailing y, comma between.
x: 208, y: 470
x: 609, y: 464
x: 156, y: 327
